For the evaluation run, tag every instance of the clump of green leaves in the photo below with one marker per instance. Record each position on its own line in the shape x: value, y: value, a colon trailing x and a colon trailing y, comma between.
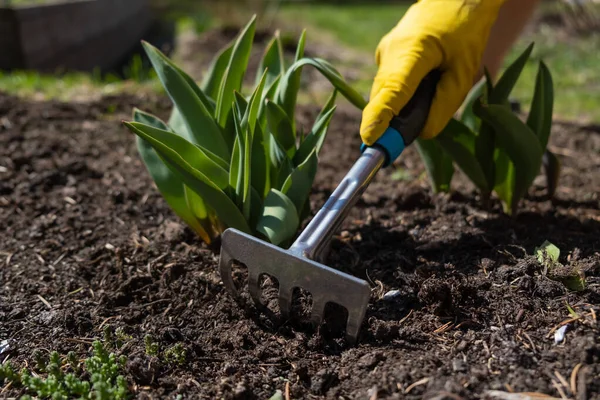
x: 228, y: 159
x: 175, y: 354
x: 548, y: 255
x: 102, y: 369
x: 151, y: 346
x: 495, y: 149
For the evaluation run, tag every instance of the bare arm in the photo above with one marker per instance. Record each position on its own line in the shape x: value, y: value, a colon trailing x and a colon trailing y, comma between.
x: 512, y: 18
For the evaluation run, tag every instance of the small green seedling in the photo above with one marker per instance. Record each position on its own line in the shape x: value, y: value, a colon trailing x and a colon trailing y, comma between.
x: 548, y: 254
x: 227, y: 159
x: 175, y: 354
x: 495, y: 149
x: 151, y: 346
x: 99, y: 381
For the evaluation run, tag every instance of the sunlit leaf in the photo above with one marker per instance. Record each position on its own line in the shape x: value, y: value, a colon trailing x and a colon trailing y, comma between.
x: 216, y: 70
x: 235, y: 71
x: 329, y: 72
x: 169, y: 185
x: 298, y: 184
x: 438, y: 164
x: 458, y: 141
x: 281, y: 128
x: 272, y: 61
x: 279, y: 219
x: 507, y: 81
x: 194, y: 155
x: 198, y: 181
x: 289, y: 85
x: 540, y: 114
x: 201, y: 127
x: 316, y: 137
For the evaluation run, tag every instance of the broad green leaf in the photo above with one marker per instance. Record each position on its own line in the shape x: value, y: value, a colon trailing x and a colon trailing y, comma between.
x: 251, y: 113
x: 328, y: 72
x: 279, y: 219
x: 298, y: 184
x: 510, y: 76
x: 242, y: 105
x: 484, y: 153
x: 161, y: 140
x: 552, y: 168
x: 547, y: 252
x: 458, y: 141
x: 201, y: 127
x: 281, y: 128
x: 504, y: 179
x: 198, y: 181
x: 268, y: 93
x: 149, y: 119
x: 280, y: 174
x: 316, y: 137
x: 235, y: 176
x: 467, y: 116
x: 169, y: 185
x: 438, y: 164
x: 234, y: 74
x: 289, y: 85
x: 261, y: 181
x: 272, y: 61
x: 214, y: 76
x: 540, y: 114
x: 519, y: 142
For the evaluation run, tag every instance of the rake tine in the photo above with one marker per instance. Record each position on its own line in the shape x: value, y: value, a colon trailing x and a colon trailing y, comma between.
x: 318, y: 308
x: 253, y: 286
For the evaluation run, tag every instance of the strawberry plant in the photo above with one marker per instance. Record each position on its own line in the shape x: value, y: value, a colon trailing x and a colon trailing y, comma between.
x: 229, y: 159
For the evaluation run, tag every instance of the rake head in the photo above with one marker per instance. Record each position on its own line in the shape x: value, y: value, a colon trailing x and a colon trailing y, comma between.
x: 325, y: 284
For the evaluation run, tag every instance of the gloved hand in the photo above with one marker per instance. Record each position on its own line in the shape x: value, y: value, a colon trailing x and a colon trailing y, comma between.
x: 450, y: 35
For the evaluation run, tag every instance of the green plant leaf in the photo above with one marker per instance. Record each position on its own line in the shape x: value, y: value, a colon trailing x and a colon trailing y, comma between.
x: 261, y: 181
x: 504, y: 179
x: 519, y: 142
x: 268, y: 93
x: 329, y: 72
x: 316, y: 137
x: 235, y: 176
x: 458, y: 141
x: 281, y: 128
x: 298, y: 184
x: 509, y: 78
x: 215, y: 198
x: 438, y: 164
x: 216, y: 70
x: 547, y: 252
x: 161, y: 140
x: 467, y: 117
x: 552, y: 167
x: 242, y: 188
x: 272, y: 61
x: 279, y: 219
x: 289, y: 85
x: 169, y: 185
x: 540, y: 114
x: 201, y: 127
x: 234, y: 74
x: 251, y: 113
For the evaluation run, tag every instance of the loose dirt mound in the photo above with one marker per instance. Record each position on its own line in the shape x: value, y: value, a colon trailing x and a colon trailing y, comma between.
x: 84, y: 229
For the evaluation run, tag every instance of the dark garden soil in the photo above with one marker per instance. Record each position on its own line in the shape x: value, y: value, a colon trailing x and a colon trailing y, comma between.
x: 87, y: 242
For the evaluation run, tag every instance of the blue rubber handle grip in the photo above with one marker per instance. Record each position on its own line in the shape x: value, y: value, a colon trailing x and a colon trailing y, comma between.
x: 392, y: 144
x: 407, y: 126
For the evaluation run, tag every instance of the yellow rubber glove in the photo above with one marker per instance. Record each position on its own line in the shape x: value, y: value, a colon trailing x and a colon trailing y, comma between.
x: 450, y: 35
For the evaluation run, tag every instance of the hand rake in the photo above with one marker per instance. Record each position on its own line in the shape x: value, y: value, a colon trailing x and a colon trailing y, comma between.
x: 301, y: 266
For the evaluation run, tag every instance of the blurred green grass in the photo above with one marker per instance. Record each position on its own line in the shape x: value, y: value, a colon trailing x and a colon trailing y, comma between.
x: 573, y: 62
